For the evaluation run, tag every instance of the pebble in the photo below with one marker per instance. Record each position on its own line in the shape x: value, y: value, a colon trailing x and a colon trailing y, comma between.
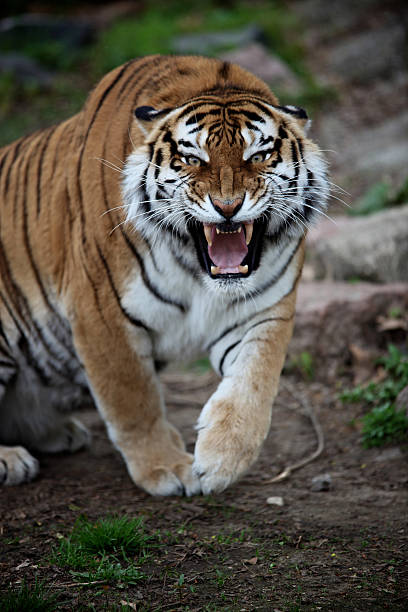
x: 322, y: 482
x: 275, y: 501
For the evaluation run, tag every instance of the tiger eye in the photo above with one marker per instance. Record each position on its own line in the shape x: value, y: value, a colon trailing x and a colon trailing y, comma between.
x: 193, y: 161
x: 257, y: 158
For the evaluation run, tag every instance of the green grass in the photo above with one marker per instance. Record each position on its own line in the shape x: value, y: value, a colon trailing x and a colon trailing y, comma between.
x: 383, y: 423
x: 379, y: 197
x: 302, y: 363
x: 154, y: 31
x: 108, y: 551
x: 24, y: 108
x: 25, y: 598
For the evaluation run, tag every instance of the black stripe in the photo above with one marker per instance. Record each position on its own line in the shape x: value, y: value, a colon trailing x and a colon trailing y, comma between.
x: 85, y: 140
x: 28, y: 248
x: 228, y: 350
x: 24, y: 348
x: 40, y: 164
x: 224, y: 70
x: 277, y: 276
x: 185, y: 143
x: 146, y: 279
x: 183, y: 264
x: 198, y: 116
x: 158, y: 161
x: 136, y: 322
x: 15, y: 153
x: 22, y: 308
x: 132, y: 76
x: 96, y: 295
x: 264, y: 141
x: 266, y: 321
x: 248, y: 114
x: 3, y: 335
x: 295, y: 160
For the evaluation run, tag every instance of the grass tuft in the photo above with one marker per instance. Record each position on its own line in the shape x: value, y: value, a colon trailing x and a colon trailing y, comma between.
x: 25, y: 598
x: 383, y: 423
x: 108, y: 551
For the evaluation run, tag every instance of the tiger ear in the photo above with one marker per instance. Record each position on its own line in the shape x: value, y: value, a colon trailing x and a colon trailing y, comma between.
x: 147, y: 114
x: 299, y: 114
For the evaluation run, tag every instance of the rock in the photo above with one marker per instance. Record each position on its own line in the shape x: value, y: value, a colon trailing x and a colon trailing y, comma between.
x: 375, y: 153
x: 322, y: 482
x: 372, y: 248
x: 37, y: 28
x: 332, y: 316
x: 208, y: 42
x: 275, y: 501
x: 25, y: 70
x: 357, y: 58
x: 401, y: 404
x: 390, y: 454
x: 270, y: 68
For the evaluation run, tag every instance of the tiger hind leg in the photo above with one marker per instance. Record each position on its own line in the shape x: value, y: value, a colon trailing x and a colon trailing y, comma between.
x: 17, y: 465
x: 34, y: 417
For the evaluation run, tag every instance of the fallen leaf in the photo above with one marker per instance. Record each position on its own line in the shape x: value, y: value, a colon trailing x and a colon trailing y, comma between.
x: 389, y: 324
x: 252, y: 561
x: 25, y: 563
x: 129, y: 604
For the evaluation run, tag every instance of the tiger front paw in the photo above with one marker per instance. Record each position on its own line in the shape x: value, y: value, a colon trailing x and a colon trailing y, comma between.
x: 161, y: 465
x: 171, y: 476
x: 226, y: 447
x: 17, y: 465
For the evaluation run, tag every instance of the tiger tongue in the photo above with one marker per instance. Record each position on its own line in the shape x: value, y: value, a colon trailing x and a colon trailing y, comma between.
x: 227, y: 250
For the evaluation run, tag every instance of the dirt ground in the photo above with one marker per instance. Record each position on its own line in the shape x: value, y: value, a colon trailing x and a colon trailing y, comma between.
x: 340, y: 549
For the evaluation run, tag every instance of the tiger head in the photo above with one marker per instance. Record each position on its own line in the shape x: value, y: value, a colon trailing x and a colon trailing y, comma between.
x: 225, y: 175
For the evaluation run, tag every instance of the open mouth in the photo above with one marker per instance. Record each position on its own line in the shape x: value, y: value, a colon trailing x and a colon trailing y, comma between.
x: 229, y: 249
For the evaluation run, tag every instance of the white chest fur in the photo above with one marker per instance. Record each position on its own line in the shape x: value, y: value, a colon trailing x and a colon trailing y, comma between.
x: 186, y: 312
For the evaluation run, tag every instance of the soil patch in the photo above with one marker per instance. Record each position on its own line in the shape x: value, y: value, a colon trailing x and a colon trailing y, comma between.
x: 338, y: 549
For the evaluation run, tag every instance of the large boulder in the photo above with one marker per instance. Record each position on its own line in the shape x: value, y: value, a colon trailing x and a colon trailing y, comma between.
x: 372, y: 248
x: 337, y: 322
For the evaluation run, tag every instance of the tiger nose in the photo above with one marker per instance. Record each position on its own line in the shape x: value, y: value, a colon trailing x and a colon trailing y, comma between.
x: 227, y: 208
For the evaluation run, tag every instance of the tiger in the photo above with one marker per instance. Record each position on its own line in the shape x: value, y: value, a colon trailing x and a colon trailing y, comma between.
x: 165, y: 220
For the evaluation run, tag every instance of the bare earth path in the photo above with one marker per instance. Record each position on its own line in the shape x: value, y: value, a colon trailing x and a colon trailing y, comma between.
x: 340, y: 549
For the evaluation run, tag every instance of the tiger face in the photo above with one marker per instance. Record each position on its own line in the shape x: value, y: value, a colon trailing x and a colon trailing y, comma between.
x: 226, y: 176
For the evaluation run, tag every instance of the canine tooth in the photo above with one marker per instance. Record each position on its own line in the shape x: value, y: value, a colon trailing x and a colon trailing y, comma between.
x: 243, y: 269
x: 207, y: 232
x: 239, y: 229
x: 249, y: 228
x: 215, y: 270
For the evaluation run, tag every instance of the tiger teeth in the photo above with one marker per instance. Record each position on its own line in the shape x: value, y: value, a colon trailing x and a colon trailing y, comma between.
x: 249, y: 228
x: 217, y: 230
x: 237, y: 231
x: 216, y: 270
x: 207, y: 232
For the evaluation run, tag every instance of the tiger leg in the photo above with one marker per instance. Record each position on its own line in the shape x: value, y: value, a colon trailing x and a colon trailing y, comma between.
x: 235, y: 421
x: 34, y: 415
x: 17, y: 465
x: 127, y: 393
